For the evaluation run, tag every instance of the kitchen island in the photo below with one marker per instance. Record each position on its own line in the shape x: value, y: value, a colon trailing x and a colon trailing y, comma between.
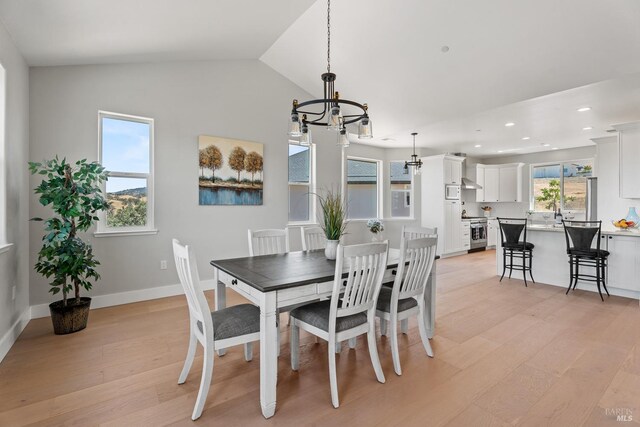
x: 551, y: 263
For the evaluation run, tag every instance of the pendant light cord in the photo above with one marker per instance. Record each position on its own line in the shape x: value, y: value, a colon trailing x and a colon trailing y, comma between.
x: 328, y: 36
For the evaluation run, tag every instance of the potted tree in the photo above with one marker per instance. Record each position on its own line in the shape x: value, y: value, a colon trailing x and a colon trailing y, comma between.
x: 73, y: 193
x: 333, y: 221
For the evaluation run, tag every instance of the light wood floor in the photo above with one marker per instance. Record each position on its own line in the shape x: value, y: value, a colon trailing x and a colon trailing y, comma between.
x: 504, y: 354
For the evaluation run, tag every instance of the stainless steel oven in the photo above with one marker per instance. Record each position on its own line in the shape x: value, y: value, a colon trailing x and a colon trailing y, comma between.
x: 478, y: 234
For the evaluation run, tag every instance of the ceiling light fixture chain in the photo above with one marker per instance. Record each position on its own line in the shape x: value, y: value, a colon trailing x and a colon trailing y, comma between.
x: 332, y: 115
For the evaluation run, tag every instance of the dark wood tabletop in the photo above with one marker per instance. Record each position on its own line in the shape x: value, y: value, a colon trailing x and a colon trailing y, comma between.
x: 272, y: 272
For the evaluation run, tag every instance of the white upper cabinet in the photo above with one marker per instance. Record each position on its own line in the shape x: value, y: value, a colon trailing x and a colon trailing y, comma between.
x: 500, y: 183
x: 629, y: 140
x: 452, y: 171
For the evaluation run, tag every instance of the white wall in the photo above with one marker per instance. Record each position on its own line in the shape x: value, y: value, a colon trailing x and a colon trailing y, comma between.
x: 14, y: 264
x: 237, y: 99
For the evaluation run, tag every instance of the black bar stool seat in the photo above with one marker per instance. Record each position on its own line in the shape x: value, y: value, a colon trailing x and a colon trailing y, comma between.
x: 580, y: 236
x: 511, y: 230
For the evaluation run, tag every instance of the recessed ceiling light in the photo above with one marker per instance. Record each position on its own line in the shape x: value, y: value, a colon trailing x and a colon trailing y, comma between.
x: 583, y: 109
x: 587, y: 128
x: 477, y: 146
x: 554, y: 148
x: 546, y: 145
x: 509, y: 124
x: 500, y: 151
x: 444, y: 49
x: 526, y: 138
x: 478, y: 130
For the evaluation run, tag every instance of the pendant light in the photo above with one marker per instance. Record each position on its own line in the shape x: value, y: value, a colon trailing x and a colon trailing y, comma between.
x: 415, y: 162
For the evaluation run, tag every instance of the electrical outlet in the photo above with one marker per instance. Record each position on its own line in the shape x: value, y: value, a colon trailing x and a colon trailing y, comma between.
x: 13, y: 293
x: 163, y: 264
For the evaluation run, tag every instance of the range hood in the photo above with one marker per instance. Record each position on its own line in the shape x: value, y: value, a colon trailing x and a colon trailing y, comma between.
x: 467, y: 184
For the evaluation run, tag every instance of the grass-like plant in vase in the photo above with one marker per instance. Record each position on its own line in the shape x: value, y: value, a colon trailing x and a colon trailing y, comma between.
x: 73, y: 191
x: 333, y: 220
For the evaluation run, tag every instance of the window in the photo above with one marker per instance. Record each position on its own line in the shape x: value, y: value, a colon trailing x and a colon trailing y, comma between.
x: 3, y: 165
x: 560, y: 185
x: 126, y: 151
x: 400, y: 181
x: 363, y: 192
x: 301, y: 183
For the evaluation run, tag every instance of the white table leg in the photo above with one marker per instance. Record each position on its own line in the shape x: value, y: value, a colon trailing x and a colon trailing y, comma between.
x: 430, y: 302
x: 268, y: 353
x: 221, y: 299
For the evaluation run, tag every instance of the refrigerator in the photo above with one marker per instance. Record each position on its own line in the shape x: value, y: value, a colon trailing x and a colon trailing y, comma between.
x: 592, y: 199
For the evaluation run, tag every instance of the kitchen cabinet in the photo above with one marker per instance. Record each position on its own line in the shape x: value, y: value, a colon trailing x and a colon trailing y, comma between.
x: 624, y: 261
x: 465, y: 242
x: 500, y: 183
x: 452, y: 226
x: 629, y: 153
x: 492, y: 232
x: 452, y: 171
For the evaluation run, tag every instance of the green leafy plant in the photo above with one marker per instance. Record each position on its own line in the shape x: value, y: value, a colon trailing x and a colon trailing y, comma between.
x: 551, y: 195
x: 334, y: 215
x: 73, y: 193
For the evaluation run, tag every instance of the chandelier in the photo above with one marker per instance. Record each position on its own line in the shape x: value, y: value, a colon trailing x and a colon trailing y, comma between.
x: 328, y: 111
x: 415, y: 162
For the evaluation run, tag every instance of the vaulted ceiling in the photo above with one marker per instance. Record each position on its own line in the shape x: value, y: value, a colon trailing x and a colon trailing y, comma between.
x: 531, y: 62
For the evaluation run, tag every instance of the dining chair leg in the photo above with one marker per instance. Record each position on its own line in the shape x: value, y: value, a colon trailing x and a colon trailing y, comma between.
x: 295, y: 344
x: 510, y: 263
x: 504, y: 263
x: 191, y: 352
x: 570, y: 275
x: 353, y: 342
x: 604, y: 275
x: 248, y: 351
x: 531, y: 266
x: 395, y: 353
x: 575, y: 276
x: 383, y: 327
x: 422, y: 327
x: 404, y: 326
x: 338, y: 347
x: 524, y: 268
x: 205, y: 382
x: 373, y: 350
x: 333, y: 380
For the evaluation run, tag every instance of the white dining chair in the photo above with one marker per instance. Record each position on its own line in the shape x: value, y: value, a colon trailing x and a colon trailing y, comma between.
x: 312, y: 238
x: 351, y: 310
x: 239, y: 324
x: 268, y: 242
x: 406, y: 298
x: 418, y: 232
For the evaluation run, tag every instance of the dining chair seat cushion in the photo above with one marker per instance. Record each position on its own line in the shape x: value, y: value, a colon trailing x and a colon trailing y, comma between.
x: 317, y: 314
x: 234, y: 321
x: 591, y: 253
x: 384, y: 301
x: 518, y: 246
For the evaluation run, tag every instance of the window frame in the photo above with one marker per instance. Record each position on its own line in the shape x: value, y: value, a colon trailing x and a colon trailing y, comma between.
x: 5, y: 245
x: 102, y: 229
x: 411, y: 195
x: 561, y: 163
x: 312, y: 220
x: 379, y: 184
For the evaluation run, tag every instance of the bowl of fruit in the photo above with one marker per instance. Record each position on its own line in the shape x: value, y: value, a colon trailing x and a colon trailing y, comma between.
x: 624, y: 224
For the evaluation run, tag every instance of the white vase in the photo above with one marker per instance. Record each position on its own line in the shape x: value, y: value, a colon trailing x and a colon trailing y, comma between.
x: 377, y: 237
x: 331, y: 250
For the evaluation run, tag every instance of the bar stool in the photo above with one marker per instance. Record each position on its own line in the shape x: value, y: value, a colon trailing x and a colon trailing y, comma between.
x: 579, y: 236
x: 510, y: 231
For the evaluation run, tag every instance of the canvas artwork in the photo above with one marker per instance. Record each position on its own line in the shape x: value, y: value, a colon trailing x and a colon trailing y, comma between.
x: 230, y: 171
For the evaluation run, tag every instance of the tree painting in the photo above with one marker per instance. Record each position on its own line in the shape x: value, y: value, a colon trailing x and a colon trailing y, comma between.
x: 211, y: 158
x: 221, y: 163
x: 253, y: 164
x: 236, y: 160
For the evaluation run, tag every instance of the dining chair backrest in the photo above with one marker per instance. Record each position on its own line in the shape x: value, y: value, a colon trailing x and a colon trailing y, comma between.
x: 366, y: 264
x: 418, y: 232
x: 513, y: 232
x: 416, y: 261
x: 312, y: 238
x: 199, y: 310
x: 581, y: 234
x: 268, y: 242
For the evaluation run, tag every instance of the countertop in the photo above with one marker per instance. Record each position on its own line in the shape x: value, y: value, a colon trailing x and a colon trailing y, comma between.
x: 559, y: 229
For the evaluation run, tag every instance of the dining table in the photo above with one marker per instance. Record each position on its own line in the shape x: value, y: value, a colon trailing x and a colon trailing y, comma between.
x: 274, y: 282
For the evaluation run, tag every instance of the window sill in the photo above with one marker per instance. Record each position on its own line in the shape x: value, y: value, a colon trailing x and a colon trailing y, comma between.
x: 5, y: 247
x: 125, y: 233
x: 302, y: 224
x: 403, y: 218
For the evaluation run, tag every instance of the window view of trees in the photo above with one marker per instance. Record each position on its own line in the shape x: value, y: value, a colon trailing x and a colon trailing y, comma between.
x: 561, y: 186
x: 127, y: 208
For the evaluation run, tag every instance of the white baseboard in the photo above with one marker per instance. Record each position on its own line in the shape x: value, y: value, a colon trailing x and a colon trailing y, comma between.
x: 109, y: 300
x: 13, y: 333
